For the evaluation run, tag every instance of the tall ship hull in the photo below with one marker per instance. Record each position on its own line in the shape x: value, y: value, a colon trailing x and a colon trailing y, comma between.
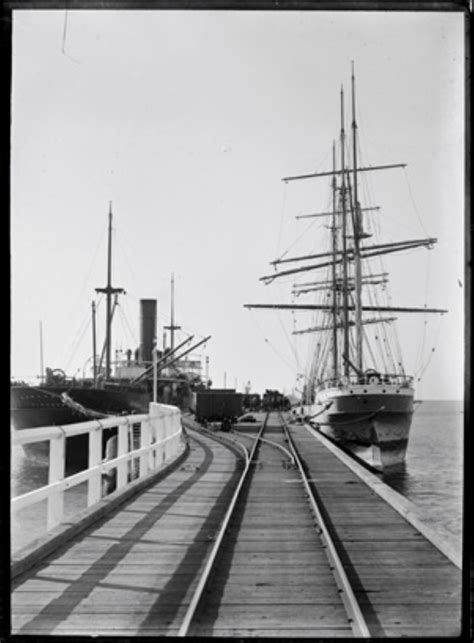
x: 367, y: 415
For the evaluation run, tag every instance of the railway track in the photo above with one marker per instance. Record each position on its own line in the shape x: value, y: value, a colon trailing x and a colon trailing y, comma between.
x: 234, y: 543
x: 273, y: 569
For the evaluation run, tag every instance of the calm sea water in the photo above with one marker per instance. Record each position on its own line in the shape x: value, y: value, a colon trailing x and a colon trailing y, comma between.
x: 432, y: 477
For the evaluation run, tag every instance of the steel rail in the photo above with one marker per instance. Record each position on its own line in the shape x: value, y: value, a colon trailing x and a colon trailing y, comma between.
x: 270, y: 443
x: 349, y: 599
x: 190, y: 612
x: 226, y: 441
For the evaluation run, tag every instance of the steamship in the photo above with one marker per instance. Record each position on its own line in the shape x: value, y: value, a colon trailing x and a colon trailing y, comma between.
x: 127, y: 389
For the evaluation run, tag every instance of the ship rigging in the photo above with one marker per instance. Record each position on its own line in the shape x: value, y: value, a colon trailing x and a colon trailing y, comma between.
x: 363, y: 397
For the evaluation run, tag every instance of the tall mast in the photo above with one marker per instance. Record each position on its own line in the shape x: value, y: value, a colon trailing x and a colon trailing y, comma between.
x: 172, y: 326
x: 334, y: 249
x: 94, y: 346
x: 41, y: 353
x: 109, y: 291
x: 357, y: 224
x: 344, y: 245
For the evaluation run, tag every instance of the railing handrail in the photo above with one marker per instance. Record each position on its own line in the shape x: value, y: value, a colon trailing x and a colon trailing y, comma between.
x: 42, y: 433
x: 160, y: 433
x: 396, y: 379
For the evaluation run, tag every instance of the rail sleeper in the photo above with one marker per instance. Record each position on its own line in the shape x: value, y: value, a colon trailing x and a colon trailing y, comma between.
x: 271, y: 576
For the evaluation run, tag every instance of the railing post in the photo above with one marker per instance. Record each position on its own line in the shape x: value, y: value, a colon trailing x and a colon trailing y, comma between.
x: 160, y: 436
x: 145, y: 440
x: 57, y: 465
x: 95, y: 457
x: 151, y: 445
x: 179, y: 431
x: 122, y: 449
x: 177, y: 427
x: 166, y: 432
x: 134, y: 441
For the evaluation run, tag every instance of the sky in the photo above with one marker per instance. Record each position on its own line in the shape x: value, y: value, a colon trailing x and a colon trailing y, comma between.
x: 186, y: 121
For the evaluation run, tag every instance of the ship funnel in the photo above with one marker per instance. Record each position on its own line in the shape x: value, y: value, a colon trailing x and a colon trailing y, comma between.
x: 147, y: 329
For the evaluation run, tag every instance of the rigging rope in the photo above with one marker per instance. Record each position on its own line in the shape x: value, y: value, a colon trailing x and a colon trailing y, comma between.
x: 86, y: 323
x: 267, y: 341
x: 421, y: 371
x: 282, y: 215
x: 413, y: 202
x: 126, y: 325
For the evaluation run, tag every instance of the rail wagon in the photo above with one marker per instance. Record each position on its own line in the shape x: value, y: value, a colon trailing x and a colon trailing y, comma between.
x: 214, y: 405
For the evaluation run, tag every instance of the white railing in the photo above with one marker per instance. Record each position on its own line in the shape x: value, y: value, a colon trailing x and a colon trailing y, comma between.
x: 142, y: 444
x: 372, y: 378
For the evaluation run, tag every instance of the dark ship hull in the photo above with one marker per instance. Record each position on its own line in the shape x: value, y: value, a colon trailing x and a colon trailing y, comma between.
x: 32, y: 407
x: 113, y: 400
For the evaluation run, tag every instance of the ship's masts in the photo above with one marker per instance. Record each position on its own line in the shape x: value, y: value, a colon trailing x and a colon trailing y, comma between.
x: 172, y: 327
x: 315, y: 329
x: 328, y: 283
x: 334, y: 248
x: 329, y: 214
x: 172, y: 312
x: 41, y: 353
x: 303, y: 291
x: 366, y: 252
x: 109, y: 299
x: 345, y: 294
x: 306, y: 257
x: 104, y: 348
x: 357, y: 223
x: 328, y: 307
x: 94, y: 346
x: 109, y: 290
x: 361, y: 169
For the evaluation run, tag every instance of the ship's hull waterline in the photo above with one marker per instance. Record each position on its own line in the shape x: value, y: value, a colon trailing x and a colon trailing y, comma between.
x: 367, y: 416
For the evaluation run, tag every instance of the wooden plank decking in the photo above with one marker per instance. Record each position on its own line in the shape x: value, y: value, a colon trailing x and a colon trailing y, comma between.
x: 273, y: 578
x: 134, y: 572
x: 404, y: 584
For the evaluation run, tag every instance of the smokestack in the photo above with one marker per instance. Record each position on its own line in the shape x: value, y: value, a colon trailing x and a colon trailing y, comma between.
x: 147, y: 329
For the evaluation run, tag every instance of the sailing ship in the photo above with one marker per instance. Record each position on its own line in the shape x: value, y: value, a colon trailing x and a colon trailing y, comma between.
x: 356, y: 390
x: 124, y: 387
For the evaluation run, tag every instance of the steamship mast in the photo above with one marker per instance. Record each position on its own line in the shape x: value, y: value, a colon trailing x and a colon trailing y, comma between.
x: 109, y: 290
x: 172, y: 327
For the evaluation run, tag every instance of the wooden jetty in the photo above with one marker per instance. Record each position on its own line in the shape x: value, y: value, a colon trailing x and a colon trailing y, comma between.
x: 259, y: 535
